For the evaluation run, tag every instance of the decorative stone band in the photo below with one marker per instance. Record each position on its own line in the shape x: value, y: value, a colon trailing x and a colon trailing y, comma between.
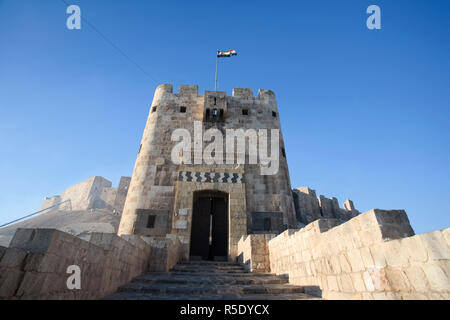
x: 190, y: 176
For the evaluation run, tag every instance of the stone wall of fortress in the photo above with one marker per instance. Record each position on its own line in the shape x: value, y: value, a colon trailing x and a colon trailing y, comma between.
x: 93, y: 193
x: 309, y: 207
x: 373, y: 256
x: 158, y: 191
x: 35, y: 264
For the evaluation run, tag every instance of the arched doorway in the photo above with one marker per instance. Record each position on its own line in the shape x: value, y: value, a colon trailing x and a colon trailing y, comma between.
x: 209, y: 230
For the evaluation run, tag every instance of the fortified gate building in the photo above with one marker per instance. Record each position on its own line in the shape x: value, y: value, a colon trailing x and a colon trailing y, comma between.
x: 209, y: 207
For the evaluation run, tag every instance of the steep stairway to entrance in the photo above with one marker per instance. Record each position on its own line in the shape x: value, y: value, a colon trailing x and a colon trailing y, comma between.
x: 209, y: 280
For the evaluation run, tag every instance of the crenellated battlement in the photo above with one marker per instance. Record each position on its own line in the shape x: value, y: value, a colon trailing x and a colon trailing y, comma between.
x: 192, y: 90
x: 309, y: 207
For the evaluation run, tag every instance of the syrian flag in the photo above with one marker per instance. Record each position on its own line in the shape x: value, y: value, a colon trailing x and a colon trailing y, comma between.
x: 226, y: 54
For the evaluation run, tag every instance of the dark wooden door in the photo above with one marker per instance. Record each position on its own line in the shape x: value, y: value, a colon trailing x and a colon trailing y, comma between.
x: 200, y: 230
x: 219, y: 245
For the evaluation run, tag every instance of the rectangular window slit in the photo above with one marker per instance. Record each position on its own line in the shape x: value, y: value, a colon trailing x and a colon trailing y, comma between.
x: 151, y: 222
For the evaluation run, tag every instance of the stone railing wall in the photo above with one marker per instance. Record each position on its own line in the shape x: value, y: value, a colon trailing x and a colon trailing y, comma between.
x: 35, y: 264
x: 253, y: 252
x: 165, y: 253
x: 372, y: 256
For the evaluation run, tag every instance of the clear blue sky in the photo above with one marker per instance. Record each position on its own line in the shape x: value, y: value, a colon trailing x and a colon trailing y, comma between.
x: 365, y: 114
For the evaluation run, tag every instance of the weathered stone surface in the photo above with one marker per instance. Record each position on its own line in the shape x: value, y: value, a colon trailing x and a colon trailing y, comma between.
x: 35, y: 267
x: 437, y: 279
x: 201, y: 280
x: 9, y: 281
x: 94, y: 193
x: 13, y: 258
x: 436, y: 246
x: 381, y: 268
x: 158, y: 184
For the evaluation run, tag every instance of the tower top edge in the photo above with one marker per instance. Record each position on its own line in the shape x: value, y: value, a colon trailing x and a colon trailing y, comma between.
x: 192, y: 90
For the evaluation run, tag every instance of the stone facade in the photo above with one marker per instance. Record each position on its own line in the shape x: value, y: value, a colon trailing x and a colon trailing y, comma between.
x: 162, y: 189
x: 94, y: 193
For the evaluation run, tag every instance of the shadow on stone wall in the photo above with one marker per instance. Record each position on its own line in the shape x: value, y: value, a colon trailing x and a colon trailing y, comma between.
x: 35, y: 264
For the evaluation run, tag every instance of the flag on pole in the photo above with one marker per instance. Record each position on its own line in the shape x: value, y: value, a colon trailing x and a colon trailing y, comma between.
x: 226, y: 54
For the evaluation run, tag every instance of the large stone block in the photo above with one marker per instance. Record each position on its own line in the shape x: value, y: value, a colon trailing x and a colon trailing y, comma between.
x: 394, y: 224
x: 396, y: 255
x: 45, y: 262
x: 31, y: 286
x: 375, y: 279
x: 378, y: 254
x: 9, y: 281
x: 355, y: 260
x: 417, y: 278
x: 446, y: 234
x: 358, y: 282
x: 398, y: 280
x: 13, y: 258
x: 346, y: 283
x: 40, y: 240
x: 414, y: 249
x: 345, y: 266
x: 437, y: 278
x: 435, y: 245
x: 366, y: 257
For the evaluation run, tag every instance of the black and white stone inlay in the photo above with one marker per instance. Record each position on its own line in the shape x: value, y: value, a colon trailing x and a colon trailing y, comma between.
x: 190, y: 176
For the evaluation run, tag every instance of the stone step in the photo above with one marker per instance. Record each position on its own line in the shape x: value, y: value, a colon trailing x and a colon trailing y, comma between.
x: 207, y: 269
x: 215, y: 280
x: 210, y: 271
x: 145, y: 296
x: 212, y: 274
x: 218, y: 279
x: 208, y: 263
x: 187, y: 289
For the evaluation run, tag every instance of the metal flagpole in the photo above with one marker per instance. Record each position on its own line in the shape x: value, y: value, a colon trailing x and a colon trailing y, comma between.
x: 217, y: 64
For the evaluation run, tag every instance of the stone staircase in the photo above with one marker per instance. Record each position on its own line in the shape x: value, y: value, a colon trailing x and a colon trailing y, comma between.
x: 209, y: 280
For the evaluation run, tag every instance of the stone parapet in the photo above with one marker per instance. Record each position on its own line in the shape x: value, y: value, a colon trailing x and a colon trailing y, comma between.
x: 36, y: 263
x: 165, y: 254
x: 372, y: 256
x: 253, y: 252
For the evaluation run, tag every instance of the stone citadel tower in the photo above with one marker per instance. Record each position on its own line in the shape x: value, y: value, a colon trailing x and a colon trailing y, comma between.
x: 208, y: 206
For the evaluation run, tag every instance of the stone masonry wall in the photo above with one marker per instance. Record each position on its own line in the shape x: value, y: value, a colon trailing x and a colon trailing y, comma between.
x: 93, y: 193
x: 309, y: 207
x: 83, y: 194
x: 35, y: 264
x: 50, y: 201
x: 165, y: 254
x: 253, y: 252
x: 153, y: 187
x: 373, y: 256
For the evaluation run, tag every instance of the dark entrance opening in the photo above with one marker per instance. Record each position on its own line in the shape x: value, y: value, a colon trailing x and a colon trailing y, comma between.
x: 209, y: 232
